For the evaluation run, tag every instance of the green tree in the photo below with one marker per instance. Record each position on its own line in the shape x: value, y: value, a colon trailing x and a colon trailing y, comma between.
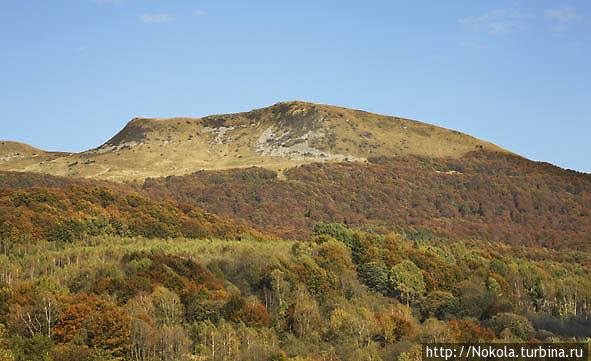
x: 5, y: 353
x: 375, y: 275
x: 337, y: 231
x: 516, y: 324
x: 406, y: 279
x: 168, y: 308
x: 439, y: 304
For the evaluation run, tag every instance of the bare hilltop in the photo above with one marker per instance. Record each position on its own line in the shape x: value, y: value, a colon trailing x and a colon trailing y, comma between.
x: 277, y: 137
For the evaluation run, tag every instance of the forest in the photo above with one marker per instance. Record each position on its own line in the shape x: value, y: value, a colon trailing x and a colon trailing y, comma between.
x: 484, y: 195
x: 341, y: 295
x: 76, y: 212
x: 382, y: 258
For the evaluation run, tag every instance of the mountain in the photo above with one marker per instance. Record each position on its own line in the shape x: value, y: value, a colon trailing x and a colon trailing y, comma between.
x: 161, y: 244
x: 277, y: 137
x: 482, y: 195
x: 284, y: 168
x: 22, y: 156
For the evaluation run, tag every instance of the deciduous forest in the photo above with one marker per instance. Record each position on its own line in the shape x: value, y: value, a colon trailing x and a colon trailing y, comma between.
x: 483, y: 195
x: 342, y: 261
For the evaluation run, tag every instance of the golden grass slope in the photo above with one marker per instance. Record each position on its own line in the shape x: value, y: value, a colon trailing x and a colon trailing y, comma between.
x: 277, y: 137
x: 23, y: 156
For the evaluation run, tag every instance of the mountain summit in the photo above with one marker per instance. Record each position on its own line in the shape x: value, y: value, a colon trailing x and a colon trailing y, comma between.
x: 277, y: 137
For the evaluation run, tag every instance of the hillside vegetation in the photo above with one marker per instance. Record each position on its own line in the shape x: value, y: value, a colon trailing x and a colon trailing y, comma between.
x: 94, y: 274
x: 294, y: 232
x: 491, y: 196
x: 76, y: 212
x: 24, y: 180
x: 342, y: 295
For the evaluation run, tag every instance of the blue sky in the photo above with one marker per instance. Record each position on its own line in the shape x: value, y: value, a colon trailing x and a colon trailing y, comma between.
x: 516, y: 73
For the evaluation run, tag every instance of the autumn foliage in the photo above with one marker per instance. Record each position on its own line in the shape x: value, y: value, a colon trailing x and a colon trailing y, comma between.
x: 492, y: 196
x: 389, y: 255
x: 76, y: 212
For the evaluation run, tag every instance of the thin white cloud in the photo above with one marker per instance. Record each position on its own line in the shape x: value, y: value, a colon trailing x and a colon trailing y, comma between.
x: 198, y: 12
x: 473, y: 45
x: 82, y: 49
x: 562, y: 16
x: 156, y: 18
x: 500, y: 28
x: 499, y: 21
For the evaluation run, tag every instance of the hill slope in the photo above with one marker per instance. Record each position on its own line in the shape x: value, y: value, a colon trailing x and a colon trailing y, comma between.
x: 491, y: 196
x: 277, y: 137
x: 76, y: 212
x: 24, y: 180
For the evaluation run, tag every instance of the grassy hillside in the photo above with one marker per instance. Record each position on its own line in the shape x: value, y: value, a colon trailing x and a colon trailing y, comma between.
x: 491, y: 196
x: 277, y: 137
x: 20, y: 157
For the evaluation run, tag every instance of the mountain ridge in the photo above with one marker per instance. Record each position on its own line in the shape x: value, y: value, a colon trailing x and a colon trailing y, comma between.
x: 277, y: 137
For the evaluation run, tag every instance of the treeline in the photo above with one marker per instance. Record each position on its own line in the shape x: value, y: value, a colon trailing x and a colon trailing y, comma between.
x: 24, y: 180
x: 76, y: 212
x: 490, y: 196
x: 340, y: 295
